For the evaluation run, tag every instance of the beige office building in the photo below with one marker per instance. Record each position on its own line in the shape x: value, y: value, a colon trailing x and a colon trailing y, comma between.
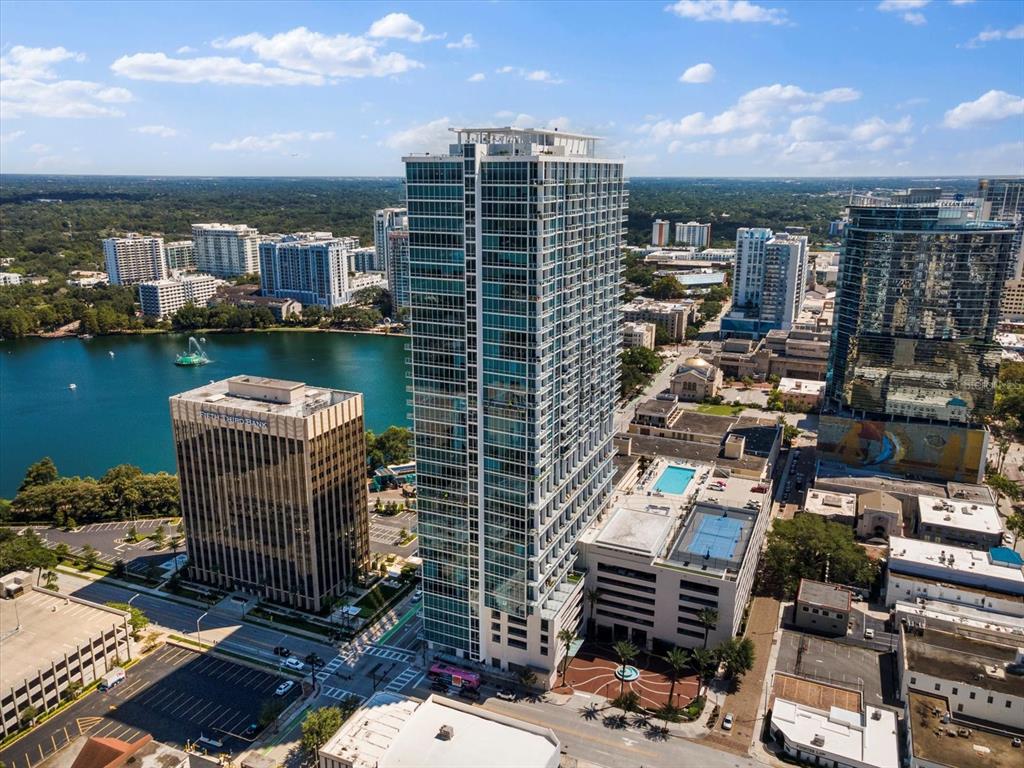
x: 273, y: 487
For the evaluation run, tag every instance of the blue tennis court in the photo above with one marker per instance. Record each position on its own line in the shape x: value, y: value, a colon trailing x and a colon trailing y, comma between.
x: 716, y: 537
x: 674, y: 479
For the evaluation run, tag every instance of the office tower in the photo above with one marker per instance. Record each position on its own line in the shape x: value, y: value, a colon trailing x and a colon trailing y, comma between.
x: 514, y: 256
x: 913, y: 362
x: 1002, y: 199
x: 180, y: 256
x: 768, y: 282
x: 310, y: 267
x: 659, y: 232
x: 273, y: 487
x: 226, y: 250
x: 391, y: 240
x: 134, y: 258
x: 692, y: 233
x: 161, y: 298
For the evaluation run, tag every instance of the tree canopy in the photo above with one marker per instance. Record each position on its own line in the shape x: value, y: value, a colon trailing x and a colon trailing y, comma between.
x: 392, y: 446
x: 810, y: 547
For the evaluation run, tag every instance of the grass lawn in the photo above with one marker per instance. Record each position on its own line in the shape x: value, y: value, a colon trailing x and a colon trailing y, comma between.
x: 720, y: 410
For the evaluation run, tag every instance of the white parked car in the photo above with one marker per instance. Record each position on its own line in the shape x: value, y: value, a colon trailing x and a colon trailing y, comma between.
x: 727, y: 722
x: 292, y: 663
x: 284, y: 687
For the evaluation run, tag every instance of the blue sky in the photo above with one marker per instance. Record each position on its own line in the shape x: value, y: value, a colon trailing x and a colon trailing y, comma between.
x: 688, y: 88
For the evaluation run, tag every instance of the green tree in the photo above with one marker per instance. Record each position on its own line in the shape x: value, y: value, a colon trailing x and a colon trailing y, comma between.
x: 593, y: 597
x: 25, y: 552
x: 677, y: 660
x: 1015, y: 525
x: 159, y: 537
x: 566, y: 637
x: 527, y: 677
x: 320, y: 724
x: 50, y: 580
x: 737, y: 656
x: 89, y: 557
x: 708, y: 618
x: 810, y: 547
x: 137, y: 620
x: 664, y: 288
x: 392, y: 446
x: 626, y: 652
x: 42, y: 472
x: 706, y: 664
x: 1002, y: 484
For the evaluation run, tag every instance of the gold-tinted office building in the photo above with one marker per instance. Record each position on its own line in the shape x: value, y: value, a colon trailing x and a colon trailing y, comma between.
x: 273, y: 487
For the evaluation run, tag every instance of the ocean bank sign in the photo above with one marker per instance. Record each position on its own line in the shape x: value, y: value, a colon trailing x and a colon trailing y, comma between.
x: 232, y: 419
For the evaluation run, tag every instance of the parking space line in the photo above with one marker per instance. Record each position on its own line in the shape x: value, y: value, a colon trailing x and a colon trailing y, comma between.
x: 195, y: 717
x: 233, y: 723
x: 186, y: 714
x: 253, y: 674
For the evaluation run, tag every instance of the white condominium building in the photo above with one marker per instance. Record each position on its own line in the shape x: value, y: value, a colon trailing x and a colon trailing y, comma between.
x: 180, y: 256
x: 226, y: 250
x: 10, y: 278
x: 310, y: 267
x: 515, y: 240
x: 134, y: 258
x: 768, y: 282
x: 692, y: 233
x: 391, y: 240
x: 162, y: 298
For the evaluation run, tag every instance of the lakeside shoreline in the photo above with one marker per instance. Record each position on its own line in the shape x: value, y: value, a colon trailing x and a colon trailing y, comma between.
x: 212, y: 332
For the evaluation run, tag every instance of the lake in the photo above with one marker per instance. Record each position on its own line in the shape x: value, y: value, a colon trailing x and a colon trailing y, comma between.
x: 118, y: 412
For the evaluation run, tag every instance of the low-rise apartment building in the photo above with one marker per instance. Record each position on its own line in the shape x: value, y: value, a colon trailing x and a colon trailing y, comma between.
x: 672, y: 316
x: 162, y: 298
x: 638, y: 335
x: 801, y: 394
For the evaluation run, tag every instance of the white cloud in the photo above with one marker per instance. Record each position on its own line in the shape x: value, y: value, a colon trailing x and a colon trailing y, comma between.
x: 914, y: 101
x: 728, y: 11
x: 476, y: 78
x: 425, y: 137
x: 989, y: 107
x: 875, y: 128
x: 163, y: 131
x: 990, y: 35
x: 7, y: 138
x: 63, y: 99
x: 400, y: 26
x: 39, y: 149
x: 908, y: 9
x: 698, y: 73
x: 24, y: 63
x: 220, y: 70
x: 314, y: 53
x: 467, y: 41
x: 186, y: 49
x: 533, y: 75
x: 275, y: 141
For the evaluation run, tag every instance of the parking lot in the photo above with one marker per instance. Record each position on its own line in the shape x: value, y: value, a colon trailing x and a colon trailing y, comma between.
x: 176, y: 694
x: 841, y: 664
x: 108, y: 539
x: 386, y: 530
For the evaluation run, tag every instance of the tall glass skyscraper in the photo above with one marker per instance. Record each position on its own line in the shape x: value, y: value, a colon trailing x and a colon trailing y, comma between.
x: 514, y: 260
x: 917, y: 304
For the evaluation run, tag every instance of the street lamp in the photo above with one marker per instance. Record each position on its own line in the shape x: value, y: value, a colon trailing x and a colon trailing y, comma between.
x: 198, y: 636
x: 132, y: 598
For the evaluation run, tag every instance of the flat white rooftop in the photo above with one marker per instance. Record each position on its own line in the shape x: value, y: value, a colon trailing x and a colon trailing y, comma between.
x: 956, y: 513
x: 641, y: 531
x: 391, y: 731
x: 830, y: 503
x: 263, y: 395
x: 39, y: 628
x: 957, y: 565
x: 865, y: 740
x: 791, y: 386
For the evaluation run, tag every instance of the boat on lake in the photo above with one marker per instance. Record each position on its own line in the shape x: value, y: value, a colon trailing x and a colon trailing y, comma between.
x: 192, y: 356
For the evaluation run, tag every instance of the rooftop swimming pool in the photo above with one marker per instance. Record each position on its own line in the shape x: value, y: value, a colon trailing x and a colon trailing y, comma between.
x: 674, y: 479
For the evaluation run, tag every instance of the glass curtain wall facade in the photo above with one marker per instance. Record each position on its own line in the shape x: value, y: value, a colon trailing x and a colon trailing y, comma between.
x: 514, y: 261
x: 917, y: 305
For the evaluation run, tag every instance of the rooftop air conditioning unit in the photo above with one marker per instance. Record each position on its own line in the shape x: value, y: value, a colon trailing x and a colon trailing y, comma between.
x: 447, y: 733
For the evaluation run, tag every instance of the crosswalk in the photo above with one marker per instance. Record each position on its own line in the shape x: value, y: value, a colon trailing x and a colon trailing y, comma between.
x: 330, y: 668
x: 389, y: 653
x: 340, y: 694
x: 396, y: 685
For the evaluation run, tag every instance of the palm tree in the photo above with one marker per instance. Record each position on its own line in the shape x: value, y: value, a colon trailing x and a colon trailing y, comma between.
x: 737, y: 654
x: 592, y: 596
x: 677, y: 659
x: 706, y: 663
x: 566, y: 637
x: 708, y: 618
x: 626, y: 652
